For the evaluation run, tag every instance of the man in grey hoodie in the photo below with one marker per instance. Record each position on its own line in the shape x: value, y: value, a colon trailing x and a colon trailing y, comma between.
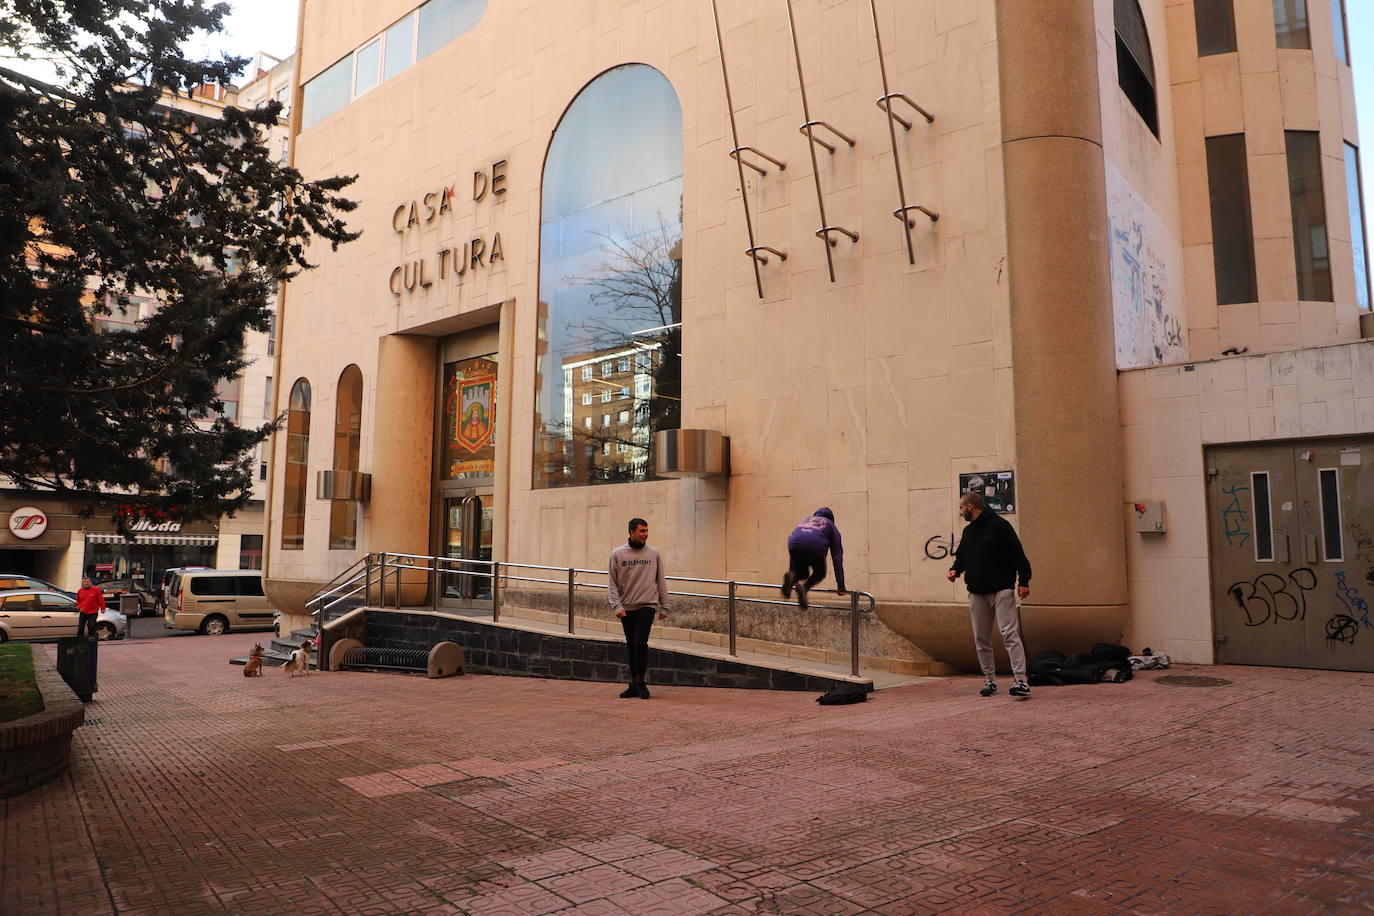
x: 637, y: 591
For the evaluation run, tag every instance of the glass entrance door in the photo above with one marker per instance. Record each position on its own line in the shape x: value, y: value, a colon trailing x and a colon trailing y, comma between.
x: 468, y: 516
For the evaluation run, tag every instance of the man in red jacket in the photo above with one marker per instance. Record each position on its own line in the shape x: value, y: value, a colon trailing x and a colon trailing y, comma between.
x: 90, y: 601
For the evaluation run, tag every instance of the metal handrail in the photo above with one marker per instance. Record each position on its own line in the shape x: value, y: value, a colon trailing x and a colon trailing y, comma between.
x: 384, y: 565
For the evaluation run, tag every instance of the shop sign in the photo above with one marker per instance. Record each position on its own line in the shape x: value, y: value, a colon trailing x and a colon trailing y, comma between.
x: 451, y: 264
x: 28, y: 523
x: 143, y: 521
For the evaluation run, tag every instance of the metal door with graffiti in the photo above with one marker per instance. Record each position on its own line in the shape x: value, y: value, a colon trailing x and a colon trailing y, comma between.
x: 1292, y: 533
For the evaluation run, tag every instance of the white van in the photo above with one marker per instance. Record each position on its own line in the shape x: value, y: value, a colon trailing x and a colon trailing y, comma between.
x: 215, y: 601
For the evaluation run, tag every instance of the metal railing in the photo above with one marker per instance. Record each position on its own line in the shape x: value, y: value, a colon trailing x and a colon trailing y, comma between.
x: 371, y: 575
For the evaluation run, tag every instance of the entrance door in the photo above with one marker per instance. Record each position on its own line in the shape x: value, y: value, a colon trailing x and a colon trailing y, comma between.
x: 1292, y: 533
x: 467, y: 522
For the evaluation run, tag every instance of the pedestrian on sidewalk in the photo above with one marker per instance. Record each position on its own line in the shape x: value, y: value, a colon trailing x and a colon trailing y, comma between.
x: 807, y: 546
x: 992, y: 562
x: 90, y: 601
x: 637, y: 591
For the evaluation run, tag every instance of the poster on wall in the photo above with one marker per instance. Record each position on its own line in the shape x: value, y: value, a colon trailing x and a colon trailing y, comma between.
x: 469, y: 447
x: 998, y: 489
x: 1146, y: 262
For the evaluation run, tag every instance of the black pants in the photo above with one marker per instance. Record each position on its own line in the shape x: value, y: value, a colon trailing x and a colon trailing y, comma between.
x: 637, y: 624
x: 807, y: 568
x: 86, y: 622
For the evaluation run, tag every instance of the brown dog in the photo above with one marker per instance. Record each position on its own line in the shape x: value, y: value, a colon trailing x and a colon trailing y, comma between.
x: 253, y: 668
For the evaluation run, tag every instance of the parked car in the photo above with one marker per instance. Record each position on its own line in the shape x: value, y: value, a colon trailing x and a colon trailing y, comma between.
x: 214, y: 601
x: 164, y: 588
x: 113, y: 588
x: 33, y: 613
x: 10, y: 581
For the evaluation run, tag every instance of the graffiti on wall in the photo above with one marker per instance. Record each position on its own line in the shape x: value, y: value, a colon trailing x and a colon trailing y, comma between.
x: 1146, y: 304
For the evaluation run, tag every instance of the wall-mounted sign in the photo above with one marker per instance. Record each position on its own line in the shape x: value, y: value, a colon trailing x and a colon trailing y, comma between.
x: 998, y: 488
x: 145, y: 520
x: 450, y: 264
x: 28, y: 523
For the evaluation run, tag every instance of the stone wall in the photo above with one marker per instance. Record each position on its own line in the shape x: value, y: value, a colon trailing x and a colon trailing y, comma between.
x: 37, y: 748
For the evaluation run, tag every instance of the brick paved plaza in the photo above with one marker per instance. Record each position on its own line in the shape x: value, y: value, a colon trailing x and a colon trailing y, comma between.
x: 194, y: 790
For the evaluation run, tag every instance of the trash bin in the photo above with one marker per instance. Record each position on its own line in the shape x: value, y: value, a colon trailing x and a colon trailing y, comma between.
x: 130, y: 607
x: 76, y: 662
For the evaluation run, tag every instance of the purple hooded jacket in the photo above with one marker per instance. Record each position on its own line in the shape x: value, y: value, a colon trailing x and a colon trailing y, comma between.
x: 817, y: 534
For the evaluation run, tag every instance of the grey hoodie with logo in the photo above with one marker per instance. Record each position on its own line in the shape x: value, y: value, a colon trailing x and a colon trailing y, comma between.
x: 636, y: 580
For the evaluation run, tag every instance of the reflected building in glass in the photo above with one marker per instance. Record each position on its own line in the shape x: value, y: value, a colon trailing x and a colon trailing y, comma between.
x: 596, y: 231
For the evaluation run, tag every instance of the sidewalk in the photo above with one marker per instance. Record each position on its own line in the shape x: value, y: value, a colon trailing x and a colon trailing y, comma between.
x: 195, y: 790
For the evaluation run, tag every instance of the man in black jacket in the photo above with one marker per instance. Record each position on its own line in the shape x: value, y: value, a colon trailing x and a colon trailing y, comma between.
x: 991, y: 560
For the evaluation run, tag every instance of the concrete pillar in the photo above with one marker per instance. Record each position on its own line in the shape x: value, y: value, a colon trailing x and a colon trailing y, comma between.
x: 1068, y: 431
x: 402, y: 468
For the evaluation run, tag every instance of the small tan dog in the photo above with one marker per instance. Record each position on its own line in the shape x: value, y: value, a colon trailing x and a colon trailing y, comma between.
x: 300, y: 659
x: 253, y: 668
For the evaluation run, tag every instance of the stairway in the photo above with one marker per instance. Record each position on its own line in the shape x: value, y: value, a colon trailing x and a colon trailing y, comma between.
x: 279, y: 652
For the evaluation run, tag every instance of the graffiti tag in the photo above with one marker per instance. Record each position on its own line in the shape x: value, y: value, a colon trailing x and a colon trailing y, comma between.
x: 1234, y: 518
x: 939, y: 548
x: 1267, y: 598
x: 1341, y: 628
x: 1351, y: 598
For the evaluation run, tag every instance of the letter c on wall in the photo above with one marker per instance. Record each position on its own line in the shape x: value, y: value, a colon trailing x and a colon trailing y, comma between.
x: 392, y: 284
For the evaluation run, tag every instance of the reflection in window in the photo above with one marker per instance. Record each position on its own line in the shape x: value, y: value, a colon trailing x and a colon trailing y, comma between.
x: 327, y: 93
x: 1290, y: 24
x: 348, y: 439
x: 1342, y: 31
x: 1216, y: 26
x: 297, y: 457
x: 1354, y: 189
x: 366, y: 68
x: 610, y: 274
x: 1309, y: 215
x: 441, y: 21
x: 1135, y: 67
x: 1233, y: 244
x: 400, y: 47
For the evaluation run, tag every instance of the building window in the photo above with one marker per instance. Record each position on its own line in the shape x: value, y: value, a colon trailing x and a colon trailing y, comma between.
x: 250, y: 551
x: 623, y: 366
x: 400, y: 47
x: 1216, y: 26
x: 1290, y: 24
x: 624, y: 417
x: 367, y: 67
x: 348, y: 424
x: 262, y: 462
x: 272, y: 335
x: 1341, y: 27
x: 268, y: 393
x: 297, y: 460
x: 1310, y: 248
x: 1233, y: 243
x: 605, y: 419
x: 441, y: 21
x: 327, y: 93
x: 610, y: 272
x: 586, y: 373
x: 605, y: 369
x: 228, y: 393
x: 586, y: 422
x: 1354, y: 189
x: 1135, y: 68
x: 586, y: 398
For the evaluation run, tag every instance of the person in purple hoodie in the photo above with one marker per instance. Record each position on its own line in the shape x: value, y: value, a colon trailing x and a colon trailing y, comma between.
x: 807, y: 546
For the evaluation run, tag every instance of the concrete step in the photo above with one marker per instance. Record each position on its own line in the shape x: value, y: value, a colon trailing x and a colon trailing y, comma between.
x: 271, y: 659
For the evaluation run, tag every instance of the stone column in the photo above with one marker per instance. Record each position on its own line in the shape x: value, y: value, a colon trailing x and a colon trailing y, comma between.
x: 1068, y: 430
x: 398, y: 513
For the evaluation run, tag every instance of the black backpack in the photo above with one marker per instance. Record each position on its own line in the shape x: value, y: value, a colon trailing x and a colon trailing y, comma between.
x: 842, y: 694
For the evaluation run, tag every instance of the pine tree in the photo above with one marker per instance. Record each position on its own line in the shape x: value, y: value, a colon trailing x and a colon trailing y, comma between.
x: 106, y: 193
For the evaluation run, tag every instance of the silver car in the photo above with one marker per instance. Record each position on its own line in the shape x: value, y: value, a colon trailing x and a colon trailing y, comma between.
x: 33, y: 613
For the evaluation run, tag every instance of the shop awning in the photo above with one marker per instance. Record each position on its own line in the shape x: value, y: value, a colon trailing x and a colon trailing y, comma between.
x: 163, y: 540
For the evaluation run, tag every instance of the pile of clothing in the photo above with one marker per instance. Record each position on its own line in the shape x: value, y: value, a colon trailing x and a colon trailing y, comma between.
x: 1105, y: 663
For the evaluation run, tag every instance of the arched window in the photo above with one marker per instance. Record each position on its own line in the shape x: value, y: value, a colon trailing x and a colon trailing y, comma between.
x: 297, y: 457
x: 348, y: 425
x: 610, y: 281
x: 1135, y: 66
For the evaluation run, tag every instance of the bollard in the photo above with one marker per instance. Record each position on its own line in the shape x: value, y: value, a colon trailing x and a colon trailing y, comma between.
x: 495, y: 592
x: 572, y: 587
x: 731, y: 606
x: 854, y: 633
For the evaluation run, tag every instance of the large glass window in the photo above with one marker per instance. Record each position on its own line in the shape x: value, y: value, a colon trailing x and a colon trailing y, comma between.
x: 1354, y: 189
x: 1290, y: 24
x: 441, y: 21
x: 367, y: 69
x: 297, y: 459
x: 400, y: 47
x: 1216, y: 26
x: 348, y: 438
x: 1309, y: 215
x: 327, y: 93
x: 250, y: 551
x: 610, y: 278
x: 1135, y: 68
x: 1342, y: 31
x: 1233, y: 244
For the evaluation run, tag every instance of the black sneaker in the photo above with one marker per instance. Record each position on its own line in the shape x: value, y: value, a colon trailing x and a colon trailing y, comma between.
x: 642, y: 691
x: 801, y: 596
x: 989, y: 688
x: 629, y: 692
x: 1020, y: 689
x: 787, y: 580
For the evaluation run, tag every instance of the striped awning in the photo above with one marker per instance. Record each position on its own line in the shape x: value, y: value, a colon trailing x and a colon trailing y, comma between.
x: 161, y: 540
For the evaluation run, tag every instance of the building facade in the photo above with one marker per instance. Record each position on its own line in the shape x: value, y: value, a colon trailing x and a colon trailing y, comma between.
x: 1104, y: 259
x: 72, y: 540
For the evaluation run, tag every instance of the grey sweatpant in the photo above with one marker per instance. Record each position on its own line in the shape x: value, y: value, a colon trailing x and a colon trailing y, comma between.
x: 999, y: 606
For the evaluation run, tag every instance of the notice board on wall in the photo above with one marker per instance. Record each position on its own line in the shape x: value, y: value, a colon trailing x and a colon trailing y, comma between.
x: 998, y: 488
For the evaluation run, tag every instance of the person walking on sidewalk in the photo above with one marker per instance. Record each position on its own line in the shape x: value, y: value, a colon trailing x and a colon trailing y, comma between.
x: 637, y: 591
x: 807, y: 546
x: 90, y: 601
x: 992, y: 562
